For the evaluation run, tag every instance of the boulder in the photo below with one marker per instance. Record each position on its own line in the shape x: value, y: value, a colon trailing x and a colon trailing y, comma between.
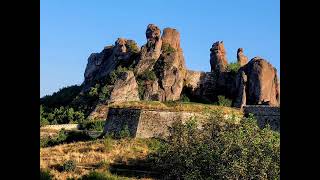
x: 262, y: 86
x: 241, y: 58
x: 125, y: 88
x: 218, y: 59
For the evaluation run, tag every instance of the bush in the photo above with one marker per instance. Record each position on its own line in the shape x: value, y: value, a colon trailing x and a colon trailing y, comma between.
x: 104, y: 94
x: 133, y: 47
x: 124, y: 133
x: 233, y: 67
x: 166, y: 48
x: 65, y: 137
x: 45, y: 175
x: 69, y: 166
x: 92, y: 125
x: 184, y: 98
x: 60, y: 115
x: 141, y: 79
x: 229, y: 151
x: 222, y: 101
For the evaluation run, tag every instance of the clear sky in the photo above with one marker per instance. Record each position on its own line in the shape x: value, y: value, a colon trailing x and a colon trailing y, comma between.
x: 70, y: 30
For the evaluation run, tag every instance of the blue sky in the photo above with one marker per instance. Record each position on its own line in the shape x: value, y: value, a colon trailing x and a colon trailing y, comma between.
x: 71, y: 30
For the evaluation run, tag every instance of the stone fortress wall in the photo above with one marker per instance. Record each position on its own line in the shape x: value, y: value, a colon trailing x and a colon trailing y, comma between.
x: 265, y: 115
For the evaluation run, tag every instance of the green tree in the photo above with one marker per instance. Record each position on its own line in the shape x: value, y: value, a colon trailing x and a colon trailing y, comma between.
x: 220, y: 151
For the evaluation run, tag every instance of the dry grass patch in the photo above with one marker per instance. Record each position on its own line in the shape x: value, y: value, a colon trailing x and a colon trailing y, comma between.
x: 46, y: 133
x: 91, y: 155
x: 175, y: 106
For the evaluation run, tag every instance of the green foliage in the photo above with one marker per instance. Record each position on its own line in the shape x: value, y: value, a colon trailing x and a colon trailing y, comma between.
x: 108, y: 143
x: 124, y: 133
x: 60, y: 115
x: 65, y: 137
x: 233, y: 67
x: 43, y: 121
x: 45, y: 175
x: 69, y: 166
x: 133, y: 47
x: 141, y: 88
x: 147, y: 76
x: 94, y: 90
x: 104, y: 94
x: 166, y: 48
x: 113, y: 76
x: 184, y: 98
x: 229, y: 151
x: 61, y: 98
x: 92, y: 125
x: 141, y: 80
x: 223, y: 101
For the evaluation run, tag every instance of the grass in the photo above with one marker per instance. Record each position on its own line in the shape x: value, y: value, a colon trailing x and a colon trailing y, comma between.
x: 92, y: 156
x: 174, y: 106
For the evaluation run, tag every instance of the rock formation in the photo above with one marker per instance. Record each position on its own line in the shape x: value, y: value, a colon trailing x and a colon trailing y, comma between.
x: 241, y: 58
x: 125, y: 88
x: 150, y: 52
x: 218, y: 60
x: 171, y: 68
x: 158, y: 72
x: 101, y: 64
x: 262, y: 85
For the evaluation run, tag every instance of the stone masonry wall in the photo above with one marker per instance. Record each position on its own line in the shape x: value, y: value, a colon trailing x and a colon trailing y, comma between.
x: 265, y: 115
x: 145, y: 123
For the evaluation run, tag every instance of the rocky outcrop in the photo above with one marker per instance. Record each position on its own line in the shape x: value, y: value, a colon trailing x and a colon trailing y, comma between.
x: 125, y: 88
x: 101, y: 64
x: 240, y: 83
x: 158, y: 72
x: 218, y: 59
x: 171, y: 68
x: 241, y: 58
x: 150, y: 52
x: 261, y: 87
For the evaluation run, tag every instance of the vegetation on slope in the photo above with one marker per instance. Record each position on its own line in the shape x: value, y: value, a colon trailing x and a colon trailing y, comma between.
x: 217, y: 151
x: 229, y: 151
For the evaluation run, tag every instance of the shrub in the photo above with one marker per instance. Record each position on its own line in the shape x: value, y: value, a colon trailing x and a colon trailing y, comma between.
x: 124, y: 133
x: 229, y: 151
x: 65, y: 137
x: 133, y: 47
x: 94, y: 90
x: 45, y: 175
x: 233, y: 67
x: 141, y: 79
x: 69, y: 166
x: 61, y: 115
x: 184, y: 98
x: 108, y: 144
x: 113, y: 76
x: 92, y: 125
x: 166, y: 48
x: 222, y: 101
x: 104, y: 94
